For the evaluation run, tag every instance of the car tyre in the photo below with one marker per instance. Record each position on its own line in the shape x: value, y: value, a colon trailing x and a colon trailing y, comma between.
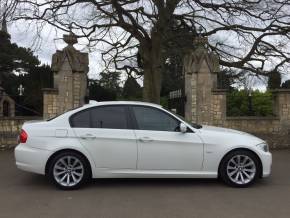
x: 69, y: 170
x: 240, y: 168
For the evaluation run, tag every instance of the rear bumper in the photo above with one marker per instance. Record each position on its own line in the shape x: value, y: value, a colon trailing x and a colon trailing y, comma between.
x: 31, y: 159
x: 266, y: 159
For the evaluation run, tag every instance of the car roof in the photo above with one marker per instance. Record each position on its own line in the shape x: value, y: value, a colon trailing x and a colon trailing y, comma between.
x: 91, y: 104
x: 99, y: 103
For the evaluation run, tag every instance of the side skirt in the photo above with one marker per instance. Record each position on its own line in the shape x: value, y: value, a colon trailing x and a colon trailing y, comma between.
x: 130, y: 173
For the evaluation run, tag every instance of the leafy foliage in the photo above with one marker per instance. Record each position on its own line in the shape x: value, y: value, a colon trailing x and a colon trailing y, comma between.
x: 99, y: 93
x: 179, y: 40
x: 238, y: 103
x: 286, y: 84
x: 132, y: 90
x: 274, y: 81
x: 226, y: 79
x: 172, y: 78
x: 19, y: 65
x: 107, y: 88
x: 14, y: 58
x: 38, y: 77
x: 111, y: 81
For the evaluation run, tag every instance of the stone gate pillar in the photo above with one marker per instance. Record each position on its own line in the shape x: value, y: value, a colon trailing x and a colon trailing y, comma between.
x: 70, y: 68
x: 281, y: 107
x: 200, y: 72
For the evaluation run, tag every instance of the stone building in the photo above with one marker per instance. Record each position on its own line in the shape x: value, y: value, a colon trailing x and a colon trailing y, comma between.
x: 70, y: 68
x: 7, y: 105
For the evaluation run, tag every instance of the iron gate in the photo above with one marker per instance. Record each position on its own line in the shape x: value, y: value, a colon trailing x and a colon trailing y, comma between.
x: 176, y: 102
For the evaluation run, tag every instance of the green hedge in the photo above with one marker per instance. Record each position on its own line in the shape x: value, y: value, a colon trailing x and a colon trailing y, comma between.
x: 238, y: 103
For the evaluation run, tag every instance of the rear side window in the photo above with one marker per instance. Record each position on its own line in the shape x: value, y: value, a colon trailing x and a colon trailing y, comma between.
x: 81, y: 119
x: 110, y: 117
x: 149, y: 118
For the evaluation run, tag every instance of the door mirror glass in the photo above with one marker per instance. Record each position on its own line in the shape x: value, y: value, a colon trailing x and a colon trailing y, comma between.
x: 183, y: 128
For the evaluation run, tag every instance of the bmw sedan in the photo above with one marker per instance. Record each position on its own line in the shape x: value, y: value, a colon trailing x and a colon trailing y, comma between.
x: 137, y: 140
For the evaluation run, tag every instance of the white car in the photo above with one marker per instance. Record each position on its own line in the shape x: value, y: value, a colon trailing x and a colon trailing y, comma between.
x: 137, y: 140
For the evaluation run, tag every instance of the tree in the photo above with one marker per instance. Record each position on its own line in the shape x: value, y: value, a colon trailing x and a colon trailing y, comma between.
x: 172, y: 75
x: 37, y: 78
x: 274, y: 80
x: 13, y: 59
x: 18, y: 65
x: 99, y: 93
x: 107, y: 88
x: 257, y: 32
x: 132, y: 90
x: 111, y: 81
x: 286, y: 84
x: 226, y: 78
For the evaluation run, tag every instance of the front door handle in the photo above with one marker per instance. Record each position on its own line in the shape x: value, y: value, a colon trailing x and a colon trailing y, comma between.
x: 145, y: 139
x: 88, y: 136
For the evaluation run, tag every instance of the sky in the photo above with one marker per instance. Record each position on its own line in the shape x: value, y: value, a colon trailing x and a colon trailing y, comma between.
x: 46, y: 41
x: 46, y: 44
x: 50, y: 40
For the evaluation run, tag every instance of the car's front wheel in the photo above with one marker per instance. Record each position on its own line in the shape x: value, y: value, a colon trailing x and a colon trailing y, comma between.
x: 69, y: 170
x: 240, y: 168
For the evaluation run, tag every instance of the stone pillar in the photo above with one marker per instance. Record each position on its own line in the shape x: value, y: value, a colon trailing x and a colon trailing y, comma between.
x: 50, y: 108
x: 200, y: 69
x: 70, y: 68
x: 219, y: 107
x: 8, y: 102
x: 281, y: 106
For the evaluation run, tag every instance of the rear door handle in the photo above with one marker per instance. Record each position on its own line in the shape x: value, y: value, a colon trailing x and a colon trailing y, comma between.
x: 88, y: 136
x: 145, y: 139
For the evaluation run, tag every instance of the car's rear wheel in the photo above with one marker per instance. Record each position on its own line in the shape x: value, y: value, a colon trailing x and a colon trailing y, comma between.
x: 240, y: 168
x: 69, y: 170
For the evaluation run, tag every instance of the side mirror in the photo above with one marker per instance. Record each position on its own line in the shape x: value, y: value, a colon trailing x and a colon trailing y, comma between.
x: 183, y: 128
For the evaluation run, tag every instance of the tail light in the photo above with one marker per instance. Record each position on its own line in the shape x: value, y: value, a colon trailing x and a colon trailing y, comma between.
x: 23, y: 136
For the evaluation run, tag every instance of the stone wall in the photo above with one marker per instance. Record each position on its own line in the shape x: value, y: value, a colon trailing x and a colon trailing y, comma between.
x: 275, y: 129
x: 207, y: 105
x: 10, y: 128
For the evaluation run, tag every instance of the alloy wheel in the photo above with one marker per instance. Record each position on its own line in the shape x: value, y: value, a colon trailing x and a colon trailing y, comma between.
x: 241, y: 169
x: 68, y: 171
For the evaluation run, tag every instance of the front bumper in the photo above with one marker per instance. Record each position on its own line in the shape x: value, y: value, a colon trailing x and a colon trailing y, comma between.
x: 266, y: 159
x: 31, y: 159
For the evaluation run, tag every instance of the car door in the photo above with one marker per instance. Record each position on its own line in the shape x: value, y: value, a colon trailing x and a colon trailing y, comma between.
x: 161, y: 146
x: 106, y: 133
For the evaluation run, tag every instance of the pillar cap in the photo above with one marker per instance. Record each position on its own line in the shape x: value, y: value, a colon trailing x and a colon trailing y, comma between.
x: 280, y: 90
x: 70, y: 39
x: 50, y: 90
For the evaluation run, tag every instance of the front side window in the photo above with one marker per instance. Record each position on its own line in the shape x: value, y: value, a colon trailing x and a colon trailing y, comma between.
x: 110, y: 117
x: 149, y: 118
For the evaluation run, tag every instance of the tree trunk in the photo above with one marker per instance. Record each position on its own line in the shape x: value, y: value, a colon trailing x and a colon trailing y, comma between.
x: 152, y: 85
x: 152, y: 65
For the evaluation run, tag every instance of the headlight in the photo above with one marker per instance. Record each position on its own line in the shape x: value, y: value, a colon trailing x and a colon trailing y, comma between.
x: 263, y: 146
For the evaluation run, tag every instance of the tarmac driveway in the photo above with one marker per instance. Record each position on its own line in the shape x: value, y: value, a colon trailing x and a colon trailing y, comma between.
x: 27, y: 195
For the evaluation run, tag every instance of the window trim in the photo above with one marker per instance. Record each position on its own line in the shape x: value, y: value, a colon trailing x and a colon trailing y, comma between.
x: 130, y: 126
